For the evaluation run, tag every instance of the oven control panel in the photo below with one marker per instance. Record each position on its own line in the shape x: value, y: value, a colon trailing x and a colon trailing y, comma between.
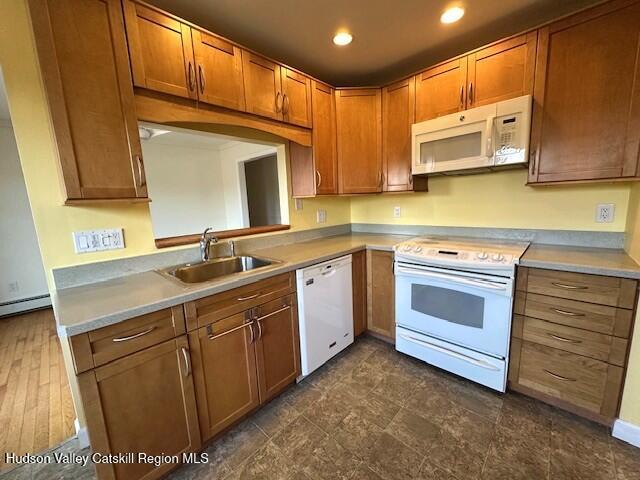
x: 446, y: 254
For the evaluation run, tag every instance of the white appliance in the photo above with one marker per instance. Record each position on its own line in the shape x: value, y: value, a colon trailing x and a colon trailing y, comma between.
x: 325, y: 311
x: 477, y: 139
x: 454, y: 301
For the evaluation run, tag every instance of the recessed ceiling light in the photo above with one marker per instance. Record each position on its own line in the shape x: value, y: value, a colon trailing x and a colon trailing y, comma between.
x: 452, y: 14
x: 342, y: 38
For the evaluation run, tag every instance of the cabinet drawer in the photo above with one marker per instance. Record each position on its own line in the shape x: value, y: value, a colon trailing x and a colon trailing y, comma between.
x: 101, y: 346
x: 584, y: 382
x: 589, y: 316
x: 612, y: 291
x: 207, y: 310
x: 583, y: 342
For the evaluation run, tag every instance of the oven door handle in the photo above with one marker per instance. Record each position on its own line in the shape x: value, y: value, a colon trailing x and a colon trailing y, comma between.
x: 465, y: 358
x: 486, y: 284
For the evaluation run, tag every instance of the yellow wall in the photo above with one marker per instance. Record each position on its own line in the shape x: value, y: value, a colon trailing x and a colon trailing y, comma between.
x: 498, y: 199
x: 630, y: 409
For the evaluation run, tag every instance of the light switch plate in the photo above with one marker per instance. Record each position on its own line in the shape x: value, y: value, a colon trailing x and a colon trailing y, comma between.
x: 298, y: 203
x: 321, y: 216
x: 98, y: 240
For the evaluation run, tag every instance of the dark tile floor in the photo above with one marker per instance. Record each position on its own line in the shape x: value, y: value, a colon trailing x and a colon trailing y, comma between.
x: 372, y: 413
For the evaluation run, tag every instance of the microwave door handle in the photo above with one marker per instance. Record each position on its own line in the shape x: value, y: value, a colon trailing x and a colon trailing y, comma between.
x: 453, y: 279
x: 489, y: 134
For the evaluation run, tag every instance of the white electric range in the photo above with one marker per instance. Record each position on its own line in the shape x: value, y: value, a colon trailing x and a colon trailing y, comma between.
x: 454, y: 303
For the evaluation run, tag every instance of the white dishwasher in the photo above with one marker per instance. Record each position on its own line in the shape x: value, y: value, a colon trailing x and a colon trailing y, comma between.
x: 325, y: 310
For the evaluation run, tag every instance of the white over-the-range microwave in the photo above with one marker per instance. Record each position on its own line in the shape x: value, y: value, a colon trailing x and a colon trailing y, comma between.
x: 495, y: 135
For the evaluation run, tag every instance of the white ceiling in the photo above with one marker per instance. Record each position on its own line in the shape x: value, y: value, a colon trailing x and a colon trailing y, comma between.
x: 391, y: 38
x: 4, y: 106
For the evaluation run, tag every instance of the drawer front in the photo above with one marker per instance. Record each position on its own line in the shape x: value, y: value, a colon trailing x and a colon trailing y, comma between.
x: 589, y: 316
x: 583, y: 342
x: 612, y: 291
x: 211, y: 309
x: 116, y: 341
x: 572, y: 378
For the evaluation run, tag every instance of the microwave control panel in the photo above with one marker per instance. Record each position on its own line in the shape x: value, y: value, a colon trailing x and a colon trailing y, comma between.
x: 509, y: 136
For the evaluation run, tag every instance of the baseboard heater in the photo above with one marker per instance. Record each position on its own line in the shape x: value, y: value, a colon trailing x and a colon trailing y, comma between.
x: 24, y: 305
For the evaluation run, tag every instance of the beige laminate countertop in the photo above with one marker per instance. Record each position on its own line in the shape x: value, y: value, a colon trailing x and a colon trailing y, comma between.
x: 89, y: 307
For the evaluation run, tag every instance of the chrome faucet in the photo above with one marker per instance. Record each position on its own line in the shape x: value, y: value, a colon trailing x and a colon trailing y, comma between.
x: 232, y: 248
x: 205, y: 243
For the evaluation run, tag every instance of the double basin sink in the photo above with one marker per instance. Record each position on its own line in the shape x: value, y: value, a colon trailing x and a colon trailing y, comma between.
x: 216, y: 268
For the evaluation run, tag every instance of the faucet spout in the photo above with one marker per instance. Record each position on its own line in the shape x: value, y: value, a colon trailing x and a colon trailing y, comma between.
x: 205, y: 242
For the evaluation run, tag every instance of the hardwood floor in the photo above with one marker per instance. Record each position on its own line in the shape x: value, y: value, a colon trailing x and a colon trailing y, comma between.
x: 36, y: 410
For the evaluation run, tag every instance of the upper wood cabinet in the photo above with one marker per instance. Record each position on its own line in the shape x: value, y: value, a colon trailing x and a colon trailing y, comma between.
x: 398, y: 114
x: 161, y: 51
x: 142, y: 403
x: 85, y: 67
x: 441, y: 90
x: 586, y: 116
x: 502, y: 71
x: 359, y: 133
x: 218, y: 71
x: 303, y: 173
x: 325, y: 155
x: 296, y: 98
x: 262, y: 86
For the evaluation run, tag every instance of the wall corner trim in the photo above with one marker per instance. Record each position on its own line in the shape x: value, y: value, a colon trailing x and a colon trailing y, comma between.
x: 82, y: 434
x: 627, y: 432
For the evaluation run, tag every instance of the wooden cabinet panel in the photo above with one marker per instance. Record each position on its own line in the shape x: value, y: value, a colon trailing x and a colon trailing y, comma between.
x: 296, y: 98
x: 441, y: 90
x: 262, y: 87
x: 586, y: 117
x: 502, y: 71
x: 277, y: 346
x: 381, y: 294
x: 359, y: 133
x: 224, y: 370
x: 142, y: 403
x: 218, y: 71
x: 161, y: 51
x: 398, y: 114
x: 85, y: 67
x: 325, y: 155
x: 359, y: 285
x: 303, y: 173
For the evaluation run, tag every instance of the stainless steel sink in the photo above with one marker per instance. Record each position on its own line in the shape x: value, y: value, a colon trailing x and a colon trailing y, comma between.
x: 216, y: 268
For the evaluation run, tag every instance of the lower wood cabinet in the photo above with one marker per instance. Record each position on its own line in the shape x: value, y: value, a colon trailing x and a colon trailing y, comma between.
x: 142, y: 403
x: 359, y: 285
x: 381, y: 294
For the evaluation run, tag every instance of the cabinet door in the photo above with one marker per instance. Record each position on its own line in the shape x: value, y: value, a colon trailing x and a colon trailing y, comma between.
x: 502, y: 71
x: 262, y: 87
x: 296, y: 98
x: 359, y: 134
x: 398, y: 114
x: 161, y: 51
x: 381, y: 294
x: 83, y: 57
x: 219, y: 71
x: 303, y: 173
x: 441, y: 90
x: 277, y: 347
x: 224, y: 369
x: 142, y: 403
x: 359, y: 281
x: 325, y: 155
x: 586, y: 116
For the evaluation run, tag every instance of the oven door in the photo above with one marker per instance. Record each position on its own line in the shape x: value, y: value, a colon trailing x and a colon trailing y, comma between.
x: 470, y: 310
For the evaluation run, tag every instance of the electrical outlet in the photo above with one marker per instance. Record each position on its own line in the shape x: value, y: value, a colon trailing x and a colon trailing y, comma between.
x: 98, y: 240
x: 605, y: 212
x: 396, y: 212
x: 298, y: 203
x: 14, y: 287
x: 321, y: 216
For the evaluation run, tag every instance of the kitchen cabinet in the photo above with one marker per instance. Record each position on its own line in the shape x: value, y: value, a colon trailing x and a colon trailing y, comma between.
x: 161, y: 51
x: 143, y: 402
x: 296, y: 98
x: 441, y: 90
x: 359, y: 140
x: 218, y: 71
x: 277, y: 345
x: 85, y: 68
x: 381, y: 294
x: 586, y: 116
x: 398, y: 114
x: 325, y: 155
x: 262, y: 87
x: 359, y: 286
x: 303, y: 172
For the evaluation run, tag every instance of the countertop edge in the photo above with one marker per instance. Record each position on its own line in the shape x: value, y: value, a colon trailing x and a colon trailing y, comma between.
x: 571, y: 267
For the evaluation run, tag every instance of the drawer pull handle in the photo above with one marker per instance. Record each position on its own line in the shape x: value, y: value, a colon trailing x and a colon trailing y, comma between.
x: 569, y: 287
x: 137, y: 335
x: 213, y: 337
x: 563, y: 339
x: 560, y: 377
x: 187, y: 365
x: 250, y: 297
x: 568, y: 314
